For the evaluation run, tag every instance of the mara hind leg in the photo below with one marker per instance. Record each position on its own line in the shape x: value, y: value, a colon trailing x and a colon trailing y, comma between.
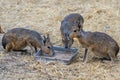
x: 112, y: 57
x: 23, y: 52
x: 9, y: 47
x: 104, y: 58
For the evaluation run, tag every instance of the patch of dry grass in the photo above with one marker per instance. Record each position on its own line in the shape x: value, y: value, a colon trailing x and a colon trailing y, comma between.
x: 45, y: 16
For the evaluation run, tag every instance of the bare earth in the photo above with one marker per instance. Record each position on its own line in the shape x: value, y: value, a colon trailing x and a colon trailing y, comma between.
x: 45, y: 16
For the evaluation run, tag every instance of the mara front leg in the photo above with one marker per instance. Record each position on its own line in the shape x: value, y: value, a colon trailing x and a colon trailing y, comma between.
x: 85, y: 58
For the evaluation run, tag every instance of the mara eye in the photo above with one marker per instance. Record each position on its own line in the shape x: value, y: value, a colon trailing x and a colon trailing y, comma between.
x: 48, y: 47
x: 75, y: 30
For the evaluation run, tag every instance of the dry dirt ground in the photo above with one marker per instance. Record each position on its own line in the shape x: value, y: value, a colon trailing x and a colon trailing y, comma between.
x: 45, y: 16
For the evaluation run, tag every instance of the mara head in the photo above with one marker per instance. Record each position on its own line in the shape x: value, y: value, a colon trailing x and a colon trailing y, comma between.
x: 76, y: 32
x: 47, y: 46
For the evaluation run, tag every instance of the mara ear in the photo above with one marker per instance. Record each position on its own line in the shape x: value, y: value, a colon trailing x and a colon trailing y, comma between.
x: 80, y: 22
x: 48, y: 38
x: 44, y: 40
